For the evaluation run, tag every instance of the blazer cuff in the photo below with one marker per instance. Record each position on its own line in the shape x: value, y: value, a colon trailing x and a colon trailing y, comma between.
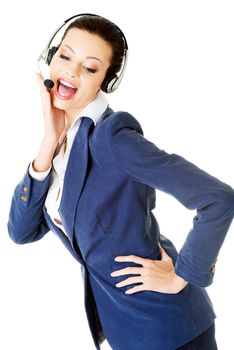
x: 40, y: 176
x: 189, y: 274
x: 30, y: 190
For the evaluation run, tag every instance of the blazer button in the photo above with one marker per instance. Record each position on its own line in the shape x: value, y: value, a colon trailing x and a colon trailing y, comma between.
x: 59, y: 222
x: 212, y: 269
x: 26, y: 189
x: 24, y: 198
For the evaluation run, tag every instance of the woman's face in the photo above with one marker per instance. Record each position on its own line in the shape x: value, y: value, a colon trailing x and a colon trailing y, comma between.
x: 78, y: 69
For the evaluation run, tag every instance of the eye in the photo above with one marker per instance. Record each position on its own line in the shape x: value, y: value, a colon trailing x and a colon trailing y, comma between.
x: 90, y: 70
x: 64, y: 57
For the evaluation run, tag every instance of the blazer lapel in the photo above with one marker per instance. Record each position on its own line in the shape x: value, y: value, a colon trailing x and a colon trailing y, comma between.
x: 75, y: 176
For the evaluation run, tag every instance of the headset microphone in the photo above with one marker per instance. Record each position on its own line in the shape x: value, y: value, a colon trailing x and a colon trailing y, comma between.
x: 49, y: 83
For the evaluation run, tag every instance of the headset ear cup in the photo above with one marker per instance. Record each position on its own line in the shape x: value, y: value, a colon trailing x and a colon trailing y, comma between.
x: 109, y: 84
x: 50, y: 54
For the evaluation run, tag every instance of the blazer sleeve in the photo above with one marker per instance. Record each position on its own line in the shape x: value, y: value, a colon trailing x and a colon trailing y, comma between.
x: 192, y: 187
x: 26, y: 221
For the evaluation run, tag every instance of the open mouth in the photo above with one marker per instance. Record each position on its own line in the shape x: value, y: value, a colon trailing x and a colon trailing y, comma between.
x: 65, y: 90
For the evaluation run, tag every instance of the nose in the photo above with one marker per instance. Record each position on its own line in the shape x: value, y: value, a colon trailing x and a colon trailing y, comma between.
x: 72, y: 75
x: 74, y: 72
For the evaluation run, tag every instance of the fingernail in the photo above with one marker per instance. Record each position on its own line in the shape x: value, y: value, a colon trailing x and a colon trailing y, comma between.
x: 117, y: 258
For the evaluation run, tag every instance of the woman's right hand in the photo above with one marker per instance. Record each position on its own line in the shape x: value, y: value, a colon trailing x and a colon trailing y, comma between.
x: 54, y: 127
x: 54, y: 118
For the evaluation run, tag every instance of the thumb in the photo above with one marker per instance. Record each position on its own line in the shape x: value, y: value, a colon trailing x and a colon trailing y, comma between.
x: 39, y: 77
x: 164, y: 255
x: 45, y: 94
x: 40, y: 81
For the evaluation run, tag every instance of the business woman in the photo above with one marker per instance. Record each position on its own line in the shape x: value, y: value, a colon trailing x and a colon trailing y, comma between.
x: 93, y: 184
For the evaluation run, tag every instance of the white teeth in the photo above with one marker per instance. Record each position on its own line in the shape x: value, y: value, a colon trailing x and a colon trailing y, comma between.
x: 66, y: 84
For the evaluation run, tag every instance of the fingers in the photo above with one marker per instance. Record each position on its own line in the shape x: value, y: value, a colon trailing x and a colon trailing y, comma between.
x: 132, y: 258
x: 40, y: 79
x: 45, y: 94
x: 154, y: 275
x: 164, y: 255
x: 135, y: 289
x: 130, y: 280
x: 127, y: 271
x: 39, y: 76
x: 142, y: 261
x: 43, y: 89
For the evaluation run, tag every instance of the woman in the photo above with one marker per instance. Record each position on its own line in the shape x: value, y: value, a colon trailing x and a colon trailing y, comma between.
x: 93, y: 184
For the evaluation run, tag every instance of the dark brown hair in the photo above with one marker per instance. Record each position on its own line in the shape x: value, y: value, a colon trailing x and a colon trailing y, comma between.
x: 109, y: 32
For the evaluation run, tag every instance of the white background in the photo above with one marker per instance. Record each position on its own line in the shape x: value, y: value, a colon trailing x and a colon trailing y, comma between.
x: 179, y: 85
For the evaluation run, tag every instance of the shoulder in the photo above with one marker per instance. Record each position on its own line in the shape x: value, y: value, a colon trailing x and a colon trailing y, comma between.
x: 112, y: 127
x: 113, y: 122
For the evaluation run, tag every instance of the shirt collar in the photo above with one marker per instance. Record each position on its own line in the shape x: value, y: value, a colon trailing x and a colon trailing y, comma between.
x: 94, y: 109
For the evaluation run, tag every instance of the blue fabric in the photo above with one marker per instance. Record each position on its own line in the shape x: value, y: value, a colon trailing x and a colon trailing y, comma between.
x: 205, y: 341
x: 106, y: 208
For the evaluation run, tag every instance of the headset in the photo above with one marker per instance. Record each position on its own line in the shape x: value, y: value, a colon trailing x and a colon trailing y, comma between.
x: 111, y: 83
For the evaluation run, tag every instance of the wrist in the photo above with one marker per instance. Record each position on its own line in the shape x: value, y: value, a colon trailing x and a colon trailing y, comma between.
x: 49, y: 142
x: 178, y: 283
x: 45, y: 155
x: 37, y: 168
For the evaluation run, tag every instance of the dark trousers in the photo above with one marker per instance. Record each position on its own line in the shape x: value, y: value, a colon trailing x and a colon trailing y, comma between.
x: 205, y: 341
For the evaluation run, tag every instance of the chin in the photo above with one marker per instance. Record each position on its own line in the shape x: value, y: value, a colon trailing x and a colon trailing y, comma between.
x: 59, y: 104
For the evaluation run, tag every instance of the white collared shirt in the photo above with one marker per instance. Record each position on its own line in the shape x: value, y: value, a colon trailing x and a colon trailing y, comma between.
x: 94, y: 110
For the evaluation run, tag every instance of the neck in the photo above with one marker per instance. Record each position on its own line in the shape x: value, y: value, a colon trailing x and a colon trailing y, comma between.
x: 70, y: 116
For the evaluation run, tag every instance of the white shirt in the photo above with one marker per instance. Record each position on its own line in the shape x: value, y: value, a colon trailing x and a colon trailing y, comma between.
x: 94, y: 110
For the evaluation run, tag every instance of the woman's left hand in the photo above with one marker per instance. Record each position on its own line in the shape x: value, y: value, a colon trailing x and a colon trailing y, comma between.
x: 155, y: 275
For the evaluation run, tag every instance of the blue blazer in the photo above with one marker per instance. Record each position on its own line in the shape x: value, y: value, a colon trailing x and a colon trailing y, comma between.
x: 106, y: 209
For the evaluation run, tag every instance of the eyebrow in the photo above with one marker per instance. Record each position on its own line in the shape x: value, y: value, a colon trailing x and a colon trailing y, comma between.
x: 94, y: 58
x: 69, y: 47
x: 88, y: 57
